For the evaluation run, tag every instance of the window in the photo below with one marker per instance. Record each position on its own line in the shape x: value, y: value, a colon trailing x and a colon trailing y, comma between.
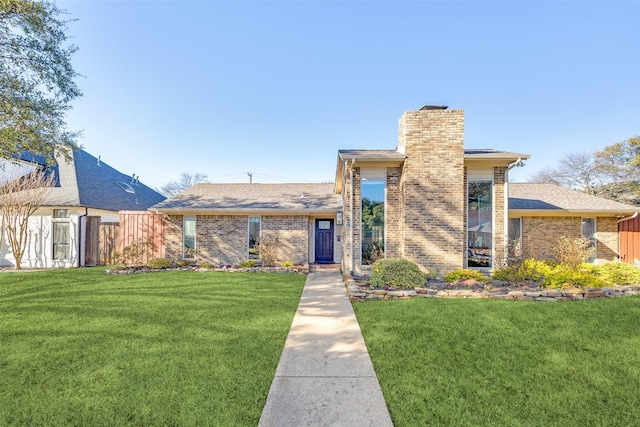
x: 514, y: 245
x: 61, y: 235
x: 189, y: 238
x: 254, y: 237
x: 372, y: 208
x: 589, y: 231
x: 480, y: 223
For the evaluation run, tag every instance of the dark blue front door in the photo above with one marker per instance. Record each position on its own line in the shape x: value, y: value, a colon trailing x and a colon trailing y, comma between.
x: 324, y: 240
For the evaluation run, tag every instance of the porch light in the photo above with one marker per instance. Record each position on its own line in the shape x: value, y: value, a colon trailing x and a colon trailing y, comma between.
x: 338, y: 218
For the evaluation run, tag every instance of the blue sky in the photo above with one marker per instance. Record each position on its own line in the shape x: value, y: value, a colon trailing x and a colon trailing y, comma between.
x: 276, y: 88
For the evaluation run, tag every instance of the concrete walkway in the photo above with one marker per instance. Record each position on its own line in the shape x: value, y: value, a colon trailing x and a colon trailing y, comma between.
x: 325, y: 376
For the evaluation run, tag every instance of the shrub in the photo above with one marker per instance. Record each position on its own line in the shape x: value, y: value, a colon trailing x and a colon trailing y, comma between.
x: 288, y: 264
x: 564, y: 277
x: 573, y: 252
x: 268, y: 246
x: 528, y: 271
x: 159, y: 263
x: 619, y: 273
x: 464, y: 273
x: 248, y: 263
x: 396, y: 273
x: 184, y: 263
x: 134, y: 254
x: 206, y: 265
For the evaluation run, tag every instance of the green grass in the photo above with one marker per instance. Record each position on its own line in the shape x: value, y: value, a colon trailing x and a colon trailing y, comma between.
x: 506, y: 363
x: 81, y: 348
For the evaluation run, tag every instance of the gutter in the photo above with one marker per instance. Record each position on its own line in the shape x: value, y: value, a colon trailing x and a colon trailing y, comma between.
x: 86, y: 213
x: 626, y: 218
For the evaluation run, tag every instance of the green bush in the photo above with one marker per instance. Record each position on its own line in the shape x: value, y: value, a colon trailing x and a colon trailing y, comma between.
x: 619, y: 273
x: 564, y: 277
x: 465, y: 273
x: 184, y: 263
x: 248, y: 263
x: 396, y: 273
x: 159, y: 263
x: 206, y: 265
x: 573, y: 252
x: 288, y: 264
x: 528, y: 271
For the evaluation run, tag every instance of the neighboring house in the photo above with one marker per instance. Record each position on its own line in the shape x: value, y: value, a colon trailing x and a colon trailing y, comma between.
x: 430, y: 201
x: 87, y: 191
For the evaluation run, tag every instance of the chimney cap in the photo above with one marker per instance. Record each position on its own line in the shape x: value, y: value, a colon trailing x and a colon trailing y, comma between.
x: 434, y: 107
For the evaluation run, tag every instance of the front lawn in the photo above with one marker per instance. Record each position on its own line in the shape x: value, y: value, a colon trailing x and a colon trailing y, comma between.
x: 506, y: 363
x: 78, y: 347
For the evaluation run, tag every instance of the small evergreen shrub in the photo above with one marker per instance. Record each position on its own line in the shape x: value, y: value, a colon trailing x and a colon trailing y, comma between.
x: 528, y: 271
x: 396, y: 273
x: 133, y: 255
x: 184, y: 263
x: 157, y: 263
x: 288, y: 264
x: 564, y: 277
x: 465, y: 273
x: 206, y: 265
x: 248, y: 263
x: 619, y: 273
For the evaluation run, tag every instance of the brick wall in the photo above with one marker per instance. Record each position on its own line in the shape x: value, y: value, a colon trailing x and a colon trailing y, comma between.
x: 540, y: 234
x: 173, y: 237
x: 392, y: 214
x: 432, y: 226
x: 499, y: 230
x: 293, y: 235
x: 223, y: 239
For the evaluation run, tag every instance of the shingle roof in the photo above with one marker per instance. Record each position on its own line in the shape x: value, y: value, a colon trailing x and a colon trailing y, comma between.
x: 371, y: 154
x: 254, y: 197
x: 85, y: 182
x: 552, y: 198
x: 487, y: 153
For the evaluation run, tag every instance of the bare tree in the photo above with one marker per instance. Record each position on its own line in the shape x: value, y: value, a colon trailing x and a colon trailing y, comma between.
x: 20, y: 197
x: 186, y: 181
x: 578, y: 171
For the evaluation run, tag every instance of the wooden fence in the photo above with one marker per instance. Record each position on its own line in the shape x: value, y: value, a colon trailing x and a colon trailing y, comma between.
x: 101, y: 241
x: 629, y: 237
x: 142, y: 227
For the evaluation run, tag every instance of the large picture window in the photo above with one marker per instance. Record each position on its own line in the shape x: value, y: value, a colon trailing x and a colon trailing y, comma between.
x: 61, y: 235
x: 480, y: 223
x: 189, y: 238
x: 254, y: 237
x: 372, y: 205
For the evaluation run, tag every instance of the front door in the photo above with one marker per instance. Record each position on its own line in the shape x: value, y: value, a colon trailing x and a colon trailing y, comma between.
x: 324, y: 240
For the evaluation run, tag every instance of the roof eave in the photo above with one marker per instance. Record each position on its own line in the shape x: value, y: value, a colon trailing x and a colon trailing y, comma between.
x: 202, y: 211
x: 570, y: 212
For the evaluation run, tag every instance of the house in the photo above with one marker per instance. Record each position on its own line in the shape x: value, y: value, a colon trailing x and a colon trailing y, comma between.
x: 429, y: 200
x: 87, y: 191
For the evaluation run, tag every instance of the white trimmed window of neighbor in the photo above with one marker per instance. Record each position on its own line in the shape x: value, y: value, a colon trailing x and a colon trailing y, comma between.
x: 254, y: 238
x: 589, y: 231
x: 189, y: 238
x: 373, y: 186
x: 514, y: 244
x: 61, y: 234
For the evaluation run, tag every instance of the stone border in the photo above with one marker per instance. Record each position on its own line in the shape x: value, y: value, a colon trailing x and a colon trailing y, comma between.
x: 359, y: 293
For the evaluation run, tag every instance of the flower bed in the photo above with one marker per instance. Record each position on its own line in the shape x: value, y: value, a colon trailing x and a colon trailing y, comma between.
x: 300, y: 269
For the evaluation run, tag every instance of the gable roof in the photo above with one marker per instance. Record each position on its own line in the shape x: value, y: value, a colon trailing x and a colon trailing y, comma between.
x: 86, y: 182
x: 254, y: 198
x: 549, y: 199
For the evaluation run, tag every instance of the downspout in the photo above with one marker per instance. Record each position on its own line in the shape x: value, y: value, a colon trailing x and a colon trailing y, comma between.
x: 86, y: 213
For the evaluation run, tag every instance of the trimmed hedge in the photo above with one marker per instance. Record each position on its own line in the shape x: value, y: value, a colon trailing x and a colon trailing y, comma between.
x: 396, y: 273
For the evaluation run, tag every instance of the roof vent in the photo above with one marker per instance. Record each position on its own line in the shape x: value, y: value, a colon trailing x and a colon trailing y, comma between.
x: 434, y: 107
